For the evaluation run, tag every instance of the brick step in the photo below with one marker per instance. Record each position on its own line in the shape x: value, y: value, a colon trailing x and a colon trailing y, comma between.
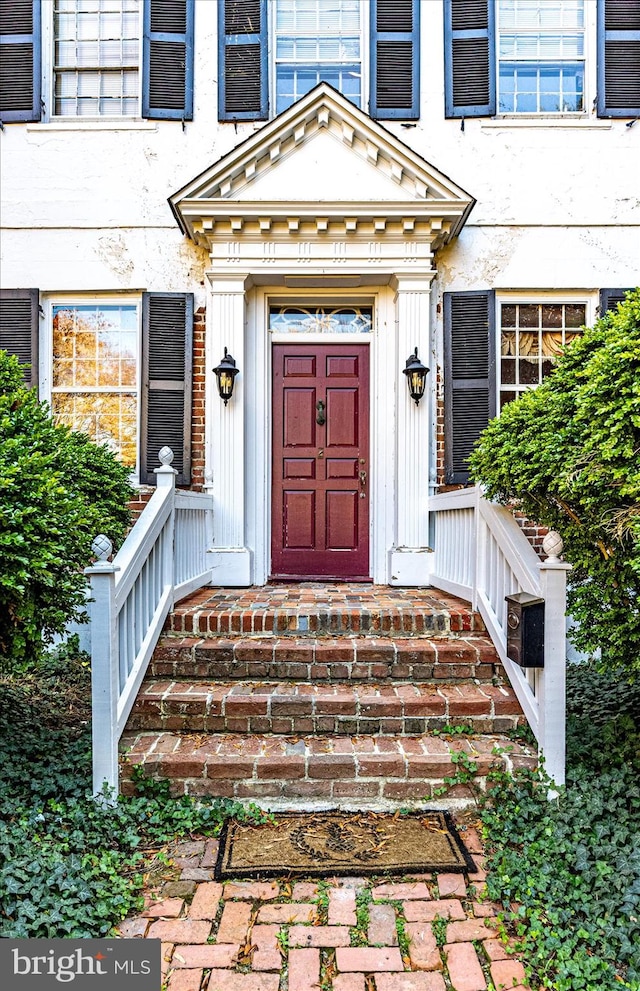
x: 317, y: 771
x: 347, y: 709
x: 323, y: 611
x: 313, y: 659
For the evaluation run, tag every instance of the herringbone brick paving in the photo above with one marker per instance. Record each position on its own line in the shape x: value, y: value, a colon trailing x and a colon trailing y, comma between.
x: 422, y: 933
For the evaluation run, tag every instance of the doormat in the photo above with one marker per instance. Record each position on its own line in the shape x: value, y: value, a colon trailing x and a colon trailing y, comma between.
x: 324, y: 844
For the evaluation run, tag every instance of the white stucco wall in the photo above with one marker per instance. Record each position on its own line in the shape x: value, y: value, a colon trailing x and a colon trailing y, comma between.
x: 84, y: 206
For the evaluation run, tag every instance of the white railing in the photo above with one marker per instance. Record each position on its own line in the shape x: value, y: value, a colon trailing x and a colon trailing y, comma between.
x: 482, y: 555
x: 163, y: 559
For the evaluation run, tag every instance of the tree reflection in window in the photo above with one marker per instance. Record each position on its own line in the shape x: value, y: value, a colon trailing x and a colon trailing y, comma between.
x: 94, y: 386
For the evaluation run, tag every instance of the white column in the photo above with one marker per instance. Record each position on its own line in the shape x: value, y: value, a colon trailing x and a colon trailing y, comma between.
x: 409, y: 559
x: 225, y: 467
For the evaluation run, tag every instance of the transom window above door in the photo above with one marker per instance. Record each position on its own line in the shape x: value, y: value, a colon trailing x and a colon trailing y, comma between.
x: 541, y: 56
x: 320, y: 319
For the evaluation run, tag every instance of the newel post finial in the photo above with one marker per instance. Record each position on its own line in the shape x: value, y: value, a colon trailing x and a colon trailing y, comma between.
x: 165, y: 474
x: 553, y: 545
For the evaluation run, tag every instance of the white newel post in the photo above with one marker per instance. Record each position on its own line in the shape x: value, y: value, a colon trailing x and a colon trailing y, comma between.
x: 410, y: 562
x: 105, y: 687
x: 551, y: 683
x: 225, y: 472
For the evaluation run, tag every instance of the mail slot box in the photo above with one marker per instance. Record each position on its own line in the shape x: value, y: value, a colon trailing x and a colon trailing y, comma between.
x: 525, y: 629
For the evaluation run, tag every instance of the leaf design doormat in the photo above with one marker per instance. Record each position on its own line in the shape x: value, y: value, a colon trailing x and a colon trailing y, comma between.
x: 323, y: 844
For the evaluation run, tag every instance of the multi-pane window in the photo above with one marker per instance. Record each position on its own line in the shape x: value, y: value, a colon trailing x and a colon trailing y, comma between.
x: 541, y: 56
x: 532, y: 336
x: 317, y: 41
x: 96, y: 58
x: 94, y: 385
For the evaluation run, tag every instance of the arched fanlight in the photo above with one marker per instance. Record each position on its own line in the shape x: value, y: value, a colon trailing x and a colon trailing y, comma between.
x: 225, y: 374
x: 416, y: 374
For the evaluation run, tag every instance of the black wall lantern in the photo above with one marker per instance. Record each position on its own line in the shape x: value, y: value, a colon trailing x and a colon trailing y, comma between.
x: 416, y: 374
x: 225, y: 374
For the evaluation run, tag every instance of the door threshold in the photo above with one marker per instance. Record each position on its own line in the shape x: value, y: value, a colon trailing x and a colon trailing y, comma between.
x: 320, y: 578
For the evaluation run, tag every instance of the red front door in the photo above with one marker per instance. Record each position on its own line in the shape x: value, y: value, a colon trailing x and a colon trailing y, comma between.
x: 320, y: 503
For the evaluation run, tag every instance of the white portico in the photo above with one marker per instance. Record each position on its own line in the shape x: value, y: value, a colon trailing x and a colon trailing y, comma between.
x: 321, y: 209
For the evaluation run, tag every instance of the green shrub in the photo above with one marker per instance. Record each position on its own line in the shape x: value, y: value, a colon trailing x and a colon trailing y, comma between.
x: 568, y: 454
x: 57, y: 491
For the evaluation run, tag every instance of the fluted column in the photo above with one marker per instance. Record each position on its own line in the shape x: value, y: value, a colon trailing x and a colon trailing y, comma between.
x: 226, y: 464
x: 410, y: 564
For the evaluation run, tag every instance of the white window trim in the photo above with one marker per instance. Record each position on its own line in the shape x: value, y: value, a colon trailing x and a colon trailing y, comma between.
x: 580, y: 118
x: 48, y: 87
x: 365, y: 34
x: 45, y: 370
x: 538, y: 297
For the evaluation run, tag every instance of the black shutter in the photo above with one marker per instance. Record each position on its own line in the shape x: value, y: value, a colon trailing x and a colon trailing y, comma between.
x: 19, y: 328
x: 609, y: 299
x: 618, y: 58
x: 167, y: 60
x: 469, y: 58
x: 19, y: 60
x: 470, y: 387
x: 167, y: 362
x: 395, y: 59
x: 242, y: 60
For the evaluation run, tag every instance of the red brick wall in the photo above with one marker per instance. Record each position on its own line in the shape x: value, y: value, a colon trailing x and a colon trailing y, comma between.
x: 197, y: 416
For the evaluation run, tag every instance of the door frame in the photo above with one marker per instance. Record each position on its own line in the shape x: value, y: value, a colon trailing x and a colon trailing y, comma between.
x: 382, y: 416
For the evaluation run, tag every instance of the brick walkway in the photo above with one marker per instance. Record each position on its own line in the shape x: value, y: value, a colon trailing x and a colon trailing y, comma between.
x: 423, y: 933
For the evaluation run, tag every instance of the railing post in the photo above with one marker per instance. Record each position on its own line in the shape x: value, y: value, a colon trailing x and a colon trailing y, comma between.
x: 166, y: 479
x: 105, y: 687
x: 552, y: 682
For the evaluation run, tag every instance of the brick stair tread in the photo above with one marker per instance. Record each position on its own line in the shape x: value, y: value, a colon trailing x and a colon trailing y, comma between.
x: 301, y: 609
x: 311, y: 658
x: 284, y: 708
x: 313, y: 768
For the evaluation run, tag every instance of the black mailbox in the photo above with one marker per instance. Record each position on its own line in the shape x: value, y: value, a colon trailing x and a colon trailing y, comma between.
x: 525, y: 629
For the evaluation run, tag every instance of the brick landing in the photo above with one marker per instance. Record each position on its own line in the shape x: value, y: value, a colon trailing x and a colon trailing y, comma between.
x: 304, y: 935
x: 324, y: 608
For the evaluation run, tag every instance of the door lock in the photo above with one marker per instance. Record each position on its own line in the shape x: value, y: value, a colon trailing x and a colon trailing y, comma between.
x: 321, y: 452
x: 363, y: 484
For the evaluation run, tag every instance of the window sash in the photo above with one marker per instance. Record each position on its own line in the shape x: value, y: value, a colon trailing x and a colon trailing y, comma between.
x: 295, y: 71
x: 531, y: 335
x: 96, y: 69
x: 540, y: 56
x: 95, y: 372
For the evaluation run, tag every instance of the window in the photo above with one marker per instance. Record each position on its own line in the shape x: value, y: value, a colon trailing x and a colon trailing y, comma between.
x: 96, y: 58
x: 317, y: 40
x: 532, y: 335
x: 95, y: 374
x: 106, y: 59
x: 529, y: 57
x: 483, y: 363
x: 320, y: 320
x: 541, y: 56
x: 314, y: 41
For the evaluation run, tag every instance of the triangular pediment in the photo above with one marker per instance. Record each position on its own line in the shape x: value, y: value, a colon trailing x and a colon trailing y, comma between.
x: 322, y: 160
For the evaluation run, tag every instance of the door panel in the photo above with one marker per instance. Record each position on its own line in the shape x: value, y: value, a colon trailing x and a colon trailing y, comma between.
x: 320, y: 497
